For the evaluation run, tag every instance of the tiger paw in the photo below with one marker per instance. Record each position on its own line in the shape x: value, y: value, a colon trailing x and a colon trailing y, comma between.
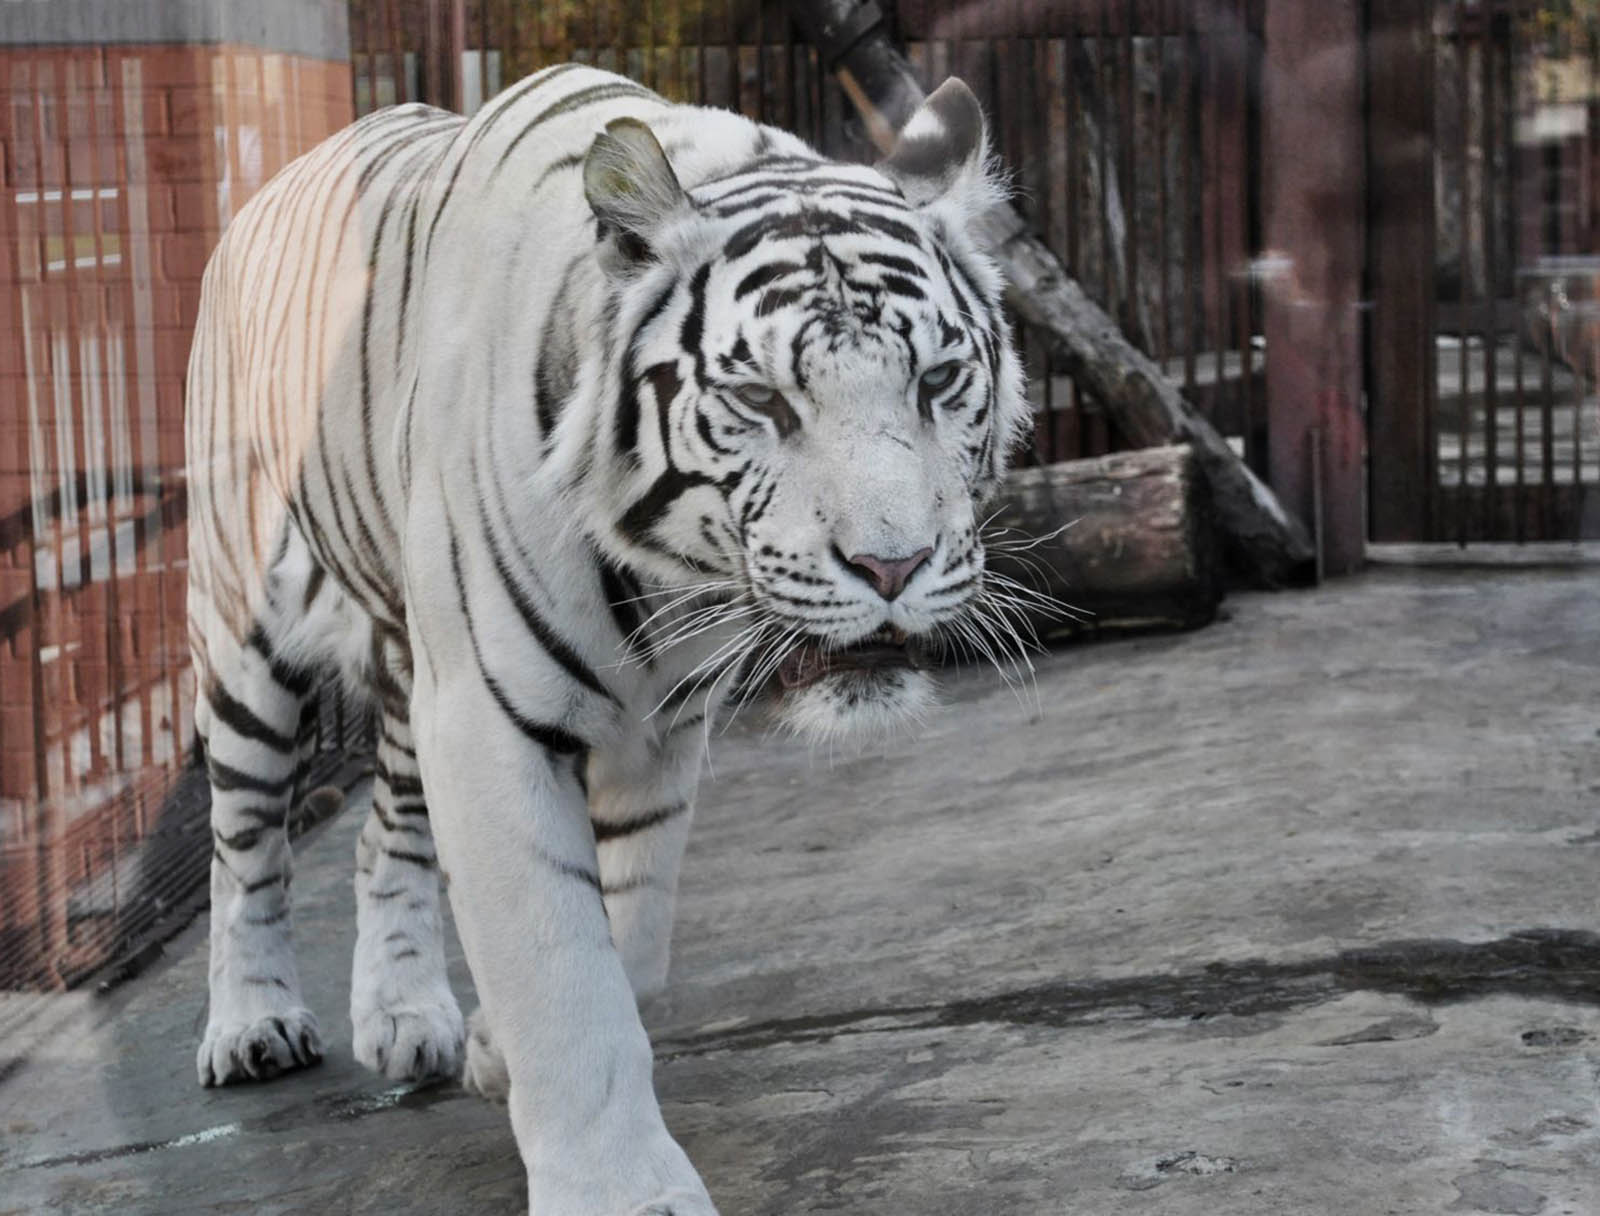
x: 411, y: 1042
x: 485, y: 1072
x: 259, y: 1050
x: 684, y: 1203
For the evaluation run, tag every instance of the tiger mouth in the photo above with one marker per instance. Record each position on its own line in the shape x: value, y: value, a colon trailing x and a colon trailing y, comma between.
x: 889, y: 648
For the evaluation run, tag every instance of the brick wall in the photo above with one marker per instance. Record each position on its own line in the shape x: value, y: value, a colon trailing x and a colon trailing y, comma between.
x: 120, y: 167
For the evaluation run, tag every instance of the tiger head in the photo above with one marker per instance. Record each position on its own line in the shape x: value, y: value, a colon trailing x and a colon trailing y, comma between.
x: 815, y: 391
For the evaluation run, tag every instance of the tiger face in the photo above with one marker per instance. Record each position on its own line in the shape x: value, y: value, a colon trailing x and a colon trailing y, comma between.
x: 822, y: 358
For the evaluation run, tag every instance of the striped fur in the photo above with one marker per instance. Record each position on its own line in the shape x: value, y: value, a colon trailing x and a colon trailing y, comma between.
x: 552, y: 431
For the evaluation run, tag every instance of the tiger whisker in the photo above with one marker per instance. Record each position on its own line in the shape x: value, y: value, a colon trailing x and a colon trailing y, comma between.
x: 708, y: 666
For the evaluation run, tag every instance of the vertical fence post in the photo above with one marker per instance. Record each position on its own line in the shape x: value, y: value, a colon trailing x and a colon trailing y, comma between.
x: 1400, y: 337
x: 1314, y: 230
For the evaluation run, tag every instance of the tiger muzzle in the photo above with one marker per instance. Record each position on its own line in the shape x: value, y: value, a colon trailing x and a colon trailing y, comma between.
x: 888, y: 648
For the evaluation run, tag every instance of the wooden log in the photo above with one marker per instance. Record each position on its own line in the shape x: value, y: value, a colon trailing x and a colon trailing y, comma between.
x: 1147, y: 407
x: 1138, y: 549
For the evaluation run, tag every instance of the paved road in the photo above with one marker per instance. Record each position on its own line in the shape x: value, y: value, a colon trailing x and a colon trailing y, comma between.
x: 1294, y: 915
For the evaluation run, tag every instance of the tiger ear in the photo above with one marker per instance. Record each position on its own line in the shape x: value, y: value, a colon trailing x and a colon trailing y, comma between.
x: 631, y: 189
x: 943, y: 145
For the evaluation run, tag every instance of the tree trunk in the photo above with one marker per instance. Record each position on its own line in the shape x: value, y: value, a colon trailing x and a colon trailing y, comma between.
x: 1130, y: 542
x: 1147, y: 408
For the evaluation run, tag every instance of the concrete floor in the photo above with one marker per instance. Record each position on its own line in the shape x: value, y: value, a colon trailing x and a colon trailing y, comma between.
x: 1293, y: 915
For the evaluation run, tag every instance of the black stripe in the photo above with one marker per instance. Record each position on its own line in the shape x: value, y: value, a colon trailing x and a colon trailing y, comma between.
x: 789, y: 161
x: 551, y: 738
x: 405, y: 276
x: 893, y: 229
x: 571, y: 161
x: 744, y: 206
x: 496, y: 111
x: 400, y: 785
x: 693, y: 330
x: 627, y: 420
x: 621, y: 594
x: 615, y: 829
x: 570, y: 870
x: 313, y: 587
x: 553, y: 643
x: 762, y: 275
x: 294, y: 679
x: 241, y: 841
x: 639, y: 519
x: 804, y: 183
x: 637, y: 883
x: 552, y: 381
x: 225, y: 779
x: 592, y: 95
x: 416, y: 859
x: 242, y: 720
x: 893, y: 262
x: 389, y: 825
x: 773, y: 301
x: 901, y: 286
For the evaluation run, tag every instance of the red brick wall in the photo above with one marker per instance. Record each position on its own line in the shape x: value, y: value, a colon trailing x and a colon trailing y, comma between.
x: 120, y: 166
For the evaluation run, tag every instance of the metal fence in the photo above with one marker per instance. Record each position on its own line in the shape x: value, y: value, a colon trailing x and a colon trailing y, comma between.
x: 1129, y: 129
x: 1517, y: 138
x: 121, y: 165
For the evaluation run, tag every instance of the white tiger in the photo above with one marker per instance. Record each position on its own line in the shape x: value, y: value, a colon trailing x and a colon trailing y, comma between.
x: 549, y: 477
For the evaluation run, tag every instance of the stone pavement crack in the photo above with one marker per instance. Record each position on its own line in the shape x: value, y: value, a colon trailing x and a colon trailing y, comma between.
x: 1556, y: 964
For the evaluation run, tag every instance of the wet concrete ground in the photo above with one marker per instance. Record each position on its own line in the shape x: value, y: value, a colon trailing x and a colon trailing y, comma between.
x: 1295, y: 914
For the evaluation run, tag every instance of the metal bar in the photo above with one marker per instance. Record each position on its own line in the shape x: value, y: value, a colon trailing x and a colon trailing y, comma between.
x: 1128, y: 131
x: 115, y: 662
x: 397, y: 81
x: 1463, y: 412
x: 458, y: 50
x: 1514, y: 222
x: 1239, y: 245
x: 1547, y: 424
x: 1216, y: 251
x: 1073, y: 177
x: 1164, y: 329
x: 1491, y: 403
x: 1108, y: 294
x: 1190, y: 212
x: 73, y: 397
x: 1401, y: 349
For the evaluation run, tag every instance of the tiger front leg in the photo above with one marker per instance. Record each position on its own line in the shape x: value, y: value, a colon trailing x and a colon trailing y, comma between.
x: 641, y: 801
x: 511, y: 824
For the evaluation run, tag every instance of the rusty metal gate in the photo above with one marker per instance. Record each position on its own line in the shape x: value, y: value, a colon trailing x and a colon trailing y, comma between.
x: 1487, y: 429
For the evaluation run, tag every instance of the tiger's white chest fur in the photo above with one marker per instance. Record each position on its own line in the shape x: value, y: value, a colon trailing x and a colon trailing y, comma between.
x: 560, y: 430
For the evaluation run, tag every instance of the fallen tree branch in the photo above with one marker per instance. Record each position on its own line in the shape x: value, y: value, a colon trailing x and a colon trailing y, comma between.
x: 1147, y: 408
x: 1127, y: 540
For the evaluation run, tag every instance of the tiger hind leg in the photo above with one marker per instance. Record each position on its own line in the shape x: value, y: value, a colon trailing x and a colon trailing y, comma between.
x: 407, y: 1023
x: 249, y: 711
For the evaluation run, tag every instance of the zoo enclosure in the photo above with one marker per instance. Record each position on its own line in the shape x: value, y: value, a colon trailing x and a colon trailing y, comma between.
x: 1142, y: 149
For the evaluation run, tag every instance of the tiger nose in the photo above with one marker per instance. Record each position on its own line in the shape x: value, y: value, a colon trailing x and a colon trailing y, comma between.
x: 888, y: 574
